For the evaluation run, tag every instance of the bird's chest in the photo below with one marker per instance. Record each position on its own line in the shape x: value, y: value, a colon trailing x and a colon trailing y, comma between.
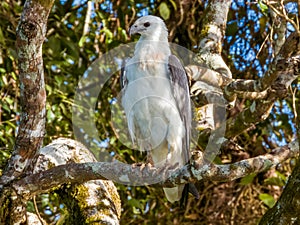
x: 149, y: 88
x: 148, y: 75
x: 153, y: 65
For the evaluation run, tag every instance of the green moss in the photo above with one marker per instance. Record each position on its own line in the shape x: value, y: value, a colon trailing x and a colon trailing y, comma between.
x: 233, y: 167
x: 81, y: 195
x: 204, y: 31
x: 51, y: 165
x: 46, y: 3
x: 115, y: 197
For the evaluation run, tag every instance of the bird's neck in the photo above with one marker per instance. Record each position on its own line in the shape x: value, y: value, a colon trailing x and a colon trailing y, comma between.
x: 152, y: 50
x: 158, y: 36
x: 153, y: 45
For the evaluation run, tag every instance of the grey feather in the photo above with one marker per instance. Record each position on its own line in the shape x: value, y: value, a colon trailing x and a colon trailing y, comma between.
x: 179, y: 81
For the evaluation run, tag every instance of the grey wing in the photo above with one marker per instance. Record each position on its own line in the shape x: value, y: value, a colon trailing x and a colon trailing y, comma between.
x: 179, y: 81
x: 179, y: 84
x: 123, y: 78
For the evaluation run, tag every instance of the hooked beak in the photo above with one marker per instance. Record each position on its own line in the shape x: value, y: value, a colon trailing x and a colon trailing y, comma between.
x: 133, y: 30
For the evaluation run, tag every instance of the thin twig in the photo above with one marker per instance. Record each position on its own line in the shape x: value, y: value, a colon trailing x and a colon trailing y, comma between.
x: 37, y: 210
x: 294, y: 102
x: 87, y: 18
x: 262, y: 45
x: 283, y: 15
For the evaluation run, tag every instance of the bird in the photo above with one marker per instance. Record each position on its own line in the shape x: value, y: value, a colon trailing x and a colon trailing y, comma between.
x: 156, y: 101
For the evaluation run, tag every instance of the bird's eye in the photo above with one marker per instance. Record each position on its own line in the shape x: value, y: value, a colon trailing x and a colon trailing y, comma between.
x: 147, y: 24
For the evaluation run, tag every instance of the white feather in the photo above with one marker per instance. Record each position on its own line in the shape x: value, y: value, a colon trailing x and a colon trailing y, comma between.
x: 153, y: 117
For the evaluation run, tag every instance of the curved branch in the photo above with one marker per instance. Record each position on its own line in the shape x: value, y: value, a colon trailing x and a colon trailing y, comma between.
x: 88, y: 202
x: 137, y: 174
x: 212, y: 34
x: 283, y: 72
x: 286, y: 64
x: 284, y: 61
x: 92, y: 201
x: 31, y: 33
x: 30, y: 36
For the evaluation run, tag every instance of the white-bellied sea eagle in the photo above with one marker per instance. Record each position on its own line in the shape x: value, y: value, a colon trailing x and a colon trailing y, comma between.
x: 156, y: 100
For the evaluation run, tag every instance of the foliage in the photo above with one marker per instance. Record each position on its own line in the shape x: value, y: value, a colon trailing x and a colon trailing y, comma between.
x: 9, y: 90
x: 69, y: 50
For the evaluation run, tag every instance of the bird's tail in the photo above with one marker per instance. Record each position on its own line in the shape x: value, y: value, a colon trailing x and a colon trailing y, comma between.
x: 174, y: 194
x: 181, y: 193
x: 188, y: 188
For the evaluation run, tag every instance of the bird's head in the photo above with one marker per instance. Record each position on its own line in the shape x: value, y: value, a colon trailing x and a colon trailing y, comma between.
x: 149, y: 27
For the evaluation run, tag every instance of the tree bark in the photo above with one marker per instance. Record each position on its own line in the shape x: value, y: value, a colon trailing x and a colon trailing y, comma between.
x: 94, y: 201
x: 137, y: 174
x: 101, y: 202
x: 286, y: 209
x: 31, y: 33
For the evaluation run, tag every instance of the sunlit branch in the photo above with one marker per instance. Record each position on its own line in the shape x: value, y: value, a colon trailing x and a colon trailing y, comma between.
x: 136, y: 174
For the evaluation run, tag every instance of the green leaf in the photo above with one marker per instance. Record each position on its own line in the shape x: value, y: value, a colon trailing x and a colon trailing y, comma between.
x: 174, y: 4
x: 232, y: 29
x: 267, y: 199
x: 6, y: 107
x: 59, y: 79
x: 264, y: 8
x: 247, y: 179
x: 108, y: 35
x: 30, y: 206
x: 274, y: 181
x: 72, y: 47
x: 164, y: 11
x: 9, y: 125
x: 9, y: 101
x: 50, y: 116
x: 218, y: 160
x: 2, y: 70
x: 54, y: 45
x: 82, y: 40
x: 5, y: 5
x: 2, y: 39
x: 136, y: 203
x: 280, y: 180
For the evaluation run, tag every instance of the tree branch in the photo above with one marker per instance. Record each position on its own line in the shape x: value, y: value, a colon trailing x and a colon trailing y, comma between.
x: 86, y: 200
x: 286, y: 209
x: 283, y: 71
x: 137, y: 174
x: 95, y: 200
x: 290, y: 48
x: 212, y: 34
x: 30, y: 37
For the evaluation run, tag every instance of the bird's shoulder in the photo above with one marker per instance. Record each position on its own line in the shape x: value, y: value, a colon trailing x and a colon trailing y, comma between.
x: 177, y: 73
x: 123, y: 78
